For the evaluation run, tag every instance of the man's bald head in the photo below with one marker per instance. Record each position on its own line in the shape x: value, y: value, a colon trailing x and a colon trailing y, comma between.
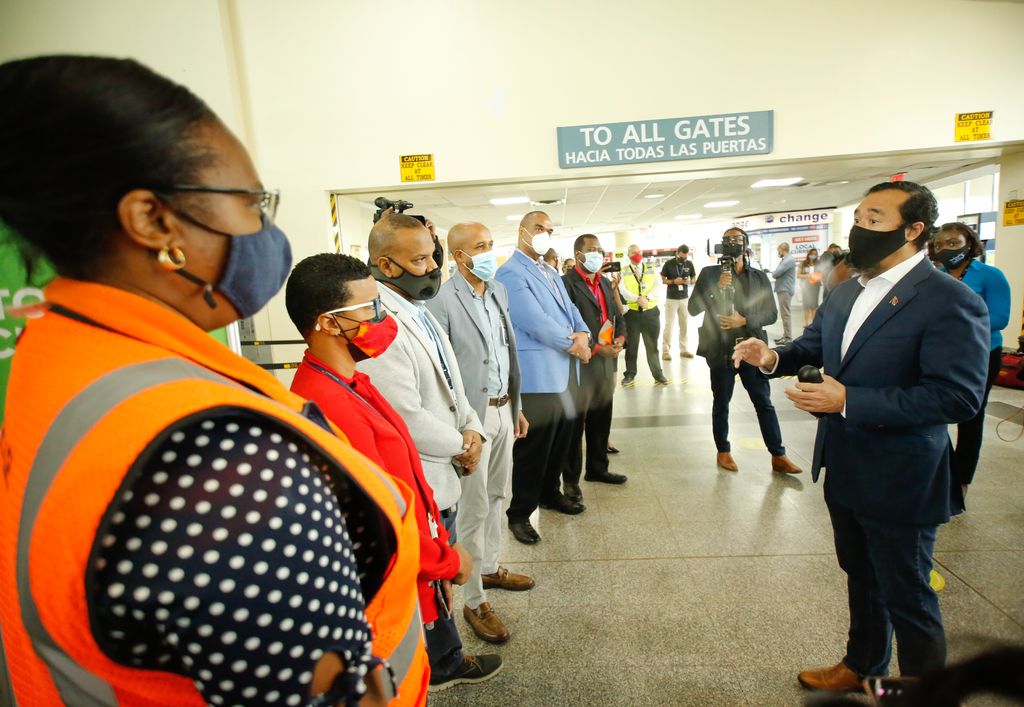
x: 532, y: 219
x: 386, y: 234
x: 464, y: 236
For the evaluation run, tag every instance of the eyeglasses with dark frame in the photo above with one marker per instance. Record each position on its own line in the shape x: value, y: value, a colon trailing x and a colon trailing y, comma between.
x: 269, y: 198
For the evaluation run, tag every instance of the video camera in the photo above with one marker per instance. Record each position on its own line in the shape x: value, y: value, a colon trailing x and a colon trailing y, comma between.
x: 727, y: 254
x: 383, y: 203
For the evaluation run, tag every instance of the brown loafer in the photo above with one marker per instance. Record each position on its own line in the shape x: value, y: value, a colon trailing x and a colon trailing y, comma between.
x: 836, y: 678
x: 503, y: 579
x: 783, y: 465
x: 485, y: 623
x: 725, y: 461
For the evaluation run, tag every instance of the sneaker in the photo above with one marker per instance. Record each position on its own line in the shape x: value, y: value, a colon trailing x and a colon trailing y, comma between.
x: 661, y: 381
x: 687, y: 354
x: 474, y: 668
x: 666, y: 356
x: 628, y: 382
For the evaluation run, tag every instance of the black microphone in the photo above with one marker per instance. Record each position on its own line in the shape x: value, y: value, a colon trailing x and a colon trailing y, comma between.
x: 810, y: 374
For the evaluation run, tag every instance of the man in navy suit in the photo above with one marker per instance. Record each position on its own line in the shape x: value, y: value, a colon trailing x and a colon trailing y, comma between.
x: 904, y: 351
x: 552, y: 341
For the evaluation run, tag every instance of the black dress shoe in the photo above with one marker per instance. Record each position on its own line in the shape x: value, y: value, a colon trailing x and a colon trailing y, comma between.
x: 524, y: 532
x: 564, y: 505
x: 572, y: 492
x: 612, y: 450
x: 607, y: 478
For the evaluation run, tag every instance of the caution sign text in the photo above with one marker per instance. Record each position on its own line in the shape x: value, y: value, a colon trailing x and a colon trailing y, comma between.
x: 416, y: 168
x: 973, y: 126
x: 1013, y: 213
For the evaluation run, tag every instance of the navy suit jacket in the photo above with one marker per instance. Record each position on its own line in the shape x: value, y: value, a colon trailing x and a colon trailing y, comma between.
x: 916, y: 365
x: 581, y: 295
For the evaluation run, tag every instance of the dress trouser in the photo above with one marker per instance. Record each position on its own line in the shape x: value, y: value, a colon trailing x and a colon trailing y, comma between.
x: 643, y: 325
x: 483, y: 493
x: 675, y: 312
x: 443, y: 643
x: 785, y: 313
x: 887, y: 569
x: 723, y: 381
x: 964, y: 460
x: 538, y: 458
x: 594, y: 419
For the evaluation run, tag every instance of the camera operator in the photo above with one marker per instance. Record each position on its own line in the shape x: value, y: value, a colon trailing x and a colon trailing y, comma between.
x: 738, y: 303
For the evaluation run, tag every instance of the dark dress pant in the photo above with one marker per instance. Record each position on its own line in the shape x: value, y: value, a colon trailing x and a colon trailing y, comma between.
x: 593, y: 420
x: 964, y: 459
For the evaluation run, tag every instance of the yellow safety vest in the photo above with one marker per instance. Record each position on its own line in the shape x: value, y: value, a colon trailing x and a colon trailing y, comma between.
x: 646, y: 285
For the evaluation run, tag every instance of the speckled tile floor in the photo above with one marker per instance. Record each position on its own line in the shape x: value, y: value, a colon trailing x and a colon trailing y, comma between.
x: 694, y: 586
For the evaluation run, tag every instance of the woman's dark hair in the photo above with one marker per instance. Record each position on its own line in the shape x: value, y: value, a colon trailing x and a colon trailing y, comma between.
x: 920, y: 206
x: 968, y: 233
x: 76, y: 134
x: 319, y: 284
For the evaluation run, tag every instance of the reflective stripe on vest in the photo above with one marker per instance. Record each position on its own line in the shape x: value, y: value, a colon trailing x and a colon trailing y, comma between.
x: 77, y: 685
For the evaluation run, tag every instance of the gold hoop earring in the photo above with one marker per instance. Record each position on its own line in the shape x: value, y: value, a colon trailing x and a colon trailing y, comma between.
x: 171, y: 258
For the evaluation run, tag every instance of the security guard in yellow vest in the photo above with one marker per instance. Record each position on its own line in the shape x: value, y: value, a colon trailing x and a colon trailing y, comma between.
x: 639, y: 288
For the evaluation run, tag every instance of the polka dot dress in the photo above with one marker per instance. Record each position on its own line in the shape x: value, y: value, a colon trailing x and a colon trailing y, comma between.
x: 229, y: 560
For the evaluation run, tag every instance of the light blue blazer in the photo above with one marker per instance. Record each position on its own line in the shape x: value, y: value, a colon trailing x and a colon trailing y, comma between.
x: 542, y: 323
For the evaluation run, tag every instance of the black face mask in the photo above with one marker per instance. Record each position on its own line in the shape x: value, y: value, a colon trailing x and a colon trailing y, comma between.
x: 953, y: 258
x: 869, y: 248
x: 733, y: 250
x: 419, y: 287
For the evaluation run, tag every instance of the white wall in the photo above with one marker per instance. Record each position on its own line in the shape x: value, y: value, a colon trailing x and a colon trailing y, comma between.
x: 1010, y: 244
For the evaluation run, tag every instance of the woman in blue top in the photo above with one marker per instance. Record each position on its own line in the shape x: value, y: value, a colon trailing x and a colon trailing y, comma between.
x: 957, y: 248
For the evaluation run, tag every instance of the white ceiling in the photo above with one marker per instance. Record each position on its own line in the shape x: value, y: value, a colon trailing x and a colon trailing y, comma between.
x: 613, y: 203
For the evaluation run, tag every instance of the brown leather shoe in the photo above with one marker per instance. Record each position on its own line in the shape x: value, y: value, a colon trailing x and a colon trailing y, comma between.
x: 782, y: 464
x: 725, y: 461
x: 503, y: 579
x: 836, y: 678
x: 485, y: 623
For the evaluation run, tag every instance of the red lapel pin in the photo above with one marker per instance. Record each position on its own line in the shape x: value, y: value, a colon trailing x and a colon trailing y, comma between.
x: 894, y: 301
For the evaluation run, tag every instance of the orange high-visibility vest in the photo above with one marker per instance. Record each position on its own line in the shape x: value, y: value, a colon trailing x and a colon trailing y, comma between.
x: 94, y: 382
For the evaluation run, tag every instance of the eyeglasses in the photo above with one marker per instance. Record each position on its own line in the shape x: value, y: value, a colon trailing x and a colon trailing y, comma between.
x: 268, y: 199
x: 378, y: 309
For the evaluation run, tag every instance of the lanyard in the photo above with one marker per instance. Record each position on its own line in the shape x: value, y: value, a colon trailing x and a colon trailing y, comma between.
x: 639, y: 280
x: 346, y: 386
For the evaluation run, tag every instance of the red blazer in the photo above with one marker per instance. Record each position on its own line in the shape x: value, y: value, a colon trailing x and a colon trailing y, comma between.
x: 378, y: 432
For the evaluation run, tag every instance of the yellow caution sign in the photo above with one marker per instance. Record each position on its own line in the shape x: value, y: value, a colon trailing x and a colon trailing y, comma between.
x: 1013, y: 213
x: 973, y: 126
x: 416, y: 168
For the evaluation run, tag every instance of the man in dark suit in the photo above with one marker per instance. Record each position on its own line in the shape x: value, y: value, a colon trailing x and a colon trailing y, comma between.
x: 905, y: 349
x: 593, y: 297
x: 737, y: 302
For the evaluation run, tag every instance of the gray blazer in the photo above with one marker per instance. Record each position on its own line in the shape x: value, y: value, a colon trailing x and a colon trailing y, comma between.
x: 409, y: 375
x: 454, y: 310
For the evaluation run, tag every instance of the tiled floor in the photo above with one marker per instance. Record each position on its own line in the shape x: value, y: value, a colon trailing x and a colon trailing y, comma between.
x: 694, y: 586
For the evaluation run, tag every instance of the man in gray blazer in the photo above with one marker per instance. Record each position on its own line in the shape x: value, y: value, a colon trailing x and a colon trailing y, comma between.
x: 473, y: 310
x: 420, y: 377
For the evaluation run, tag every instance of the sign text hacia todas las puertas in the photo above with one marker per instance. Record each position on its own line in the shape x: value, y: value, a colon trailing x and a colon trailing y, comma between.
x: 693, y: 138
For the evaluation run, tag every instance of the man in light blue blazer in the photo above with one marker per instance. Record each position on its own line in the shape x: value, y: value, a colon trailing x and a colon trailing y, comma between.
x: 553, y: 341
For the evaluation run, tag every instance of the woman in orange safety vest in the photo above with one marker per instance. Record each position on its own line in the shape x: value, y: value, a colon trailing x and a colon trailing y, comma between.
x: 175, y: 526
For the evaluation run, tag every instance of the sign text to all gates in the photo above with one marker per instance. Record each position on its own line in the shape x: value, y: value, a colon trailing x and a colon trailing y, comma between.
x: 693, y: 138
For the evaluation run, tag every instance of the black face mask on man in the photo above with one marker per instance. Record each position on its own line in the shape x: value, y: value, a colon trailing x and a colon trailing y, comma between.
x: 418, y: 287
x: 868, y: 248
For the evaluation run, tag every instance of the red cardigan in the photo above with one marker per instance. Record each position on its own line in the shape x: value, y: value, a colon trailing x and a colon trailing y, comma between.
x: 380, y: 434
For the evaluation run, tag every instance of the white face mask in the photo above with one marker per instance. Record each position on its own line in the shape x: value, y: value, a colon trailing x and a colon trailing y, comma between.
x: 541, y: 243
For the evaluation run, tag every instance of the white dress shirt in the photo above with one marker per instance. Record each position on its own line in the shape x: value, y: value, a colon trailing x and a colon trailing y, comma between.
x: 874, y: 292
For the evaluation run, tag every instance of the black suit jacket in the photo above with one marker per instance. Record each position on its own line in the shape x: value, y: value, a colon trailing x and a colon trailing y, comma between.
x: 590, y: 310
x: 916, y: 365
x: 715, y: 344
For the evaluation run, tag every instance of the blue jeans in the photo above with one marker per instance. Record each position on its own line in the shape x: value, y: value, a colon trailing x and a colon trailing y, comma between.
x: 444, y: 645
x: 723, y: 381
x: 887, y: 568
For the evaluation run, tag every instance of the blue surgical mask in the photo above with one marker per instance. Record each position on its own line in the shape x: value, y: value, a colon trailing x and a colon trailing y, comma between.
x: 593, y: 261
x: 484, y: 265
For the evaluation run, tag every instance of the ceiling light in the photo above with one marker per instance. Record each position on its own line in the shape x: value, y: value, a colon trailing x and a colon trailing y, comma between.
x: 514, y: 217
x: 653, y: 196
x: 835, y: 184
x: 720, y: 204
x: 508, y: 200
x: 784, y: 182
x: 685, y: 217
